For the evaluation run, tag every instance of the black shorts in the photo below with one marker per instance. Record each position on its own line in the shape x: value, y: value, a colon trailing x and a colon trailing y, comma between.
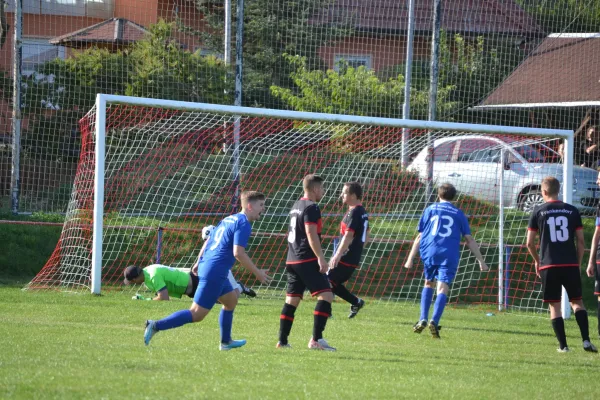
x: 553, y: 279
x: 194, y: 285
x: 340, y: 274
x: 597, y: 275
x: 306, y: 276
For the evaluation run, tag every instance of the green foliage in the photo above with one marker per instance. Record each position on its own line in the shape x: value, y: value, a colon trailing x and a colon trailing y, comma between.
x: 355, y: 91
x: 271, y: 28
x: 64, y: 346
x: 62, y: 91
x: 471, y: 66
x: 578, y: 16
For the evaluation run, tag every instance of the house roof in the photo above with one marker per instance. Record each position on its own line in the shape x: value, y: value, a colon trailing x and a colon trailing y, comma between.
x: 563, y: 71
x: 464, y: 16
x: 111, y: 31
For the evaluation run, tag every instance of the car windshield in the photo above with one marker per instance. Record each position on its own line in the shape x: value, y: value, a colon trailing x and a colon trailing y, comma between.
x: 537, y: 153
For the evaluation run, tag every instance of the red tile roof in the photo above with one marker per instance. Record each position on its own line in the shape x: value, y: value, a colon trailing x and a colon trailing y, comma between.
x: 465, y: 16
x: 563, y: 71
x: 111, y: 31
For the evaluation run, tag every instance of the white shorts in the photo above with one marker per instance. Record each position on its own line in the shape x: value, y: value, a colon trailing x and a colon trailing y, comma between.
x: 234, y: 284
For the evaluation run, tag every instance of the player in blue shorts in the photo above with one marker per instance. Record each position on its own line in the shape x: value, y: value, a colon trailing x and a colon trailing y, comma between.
x: 441, y: 228
x: 224, y: 246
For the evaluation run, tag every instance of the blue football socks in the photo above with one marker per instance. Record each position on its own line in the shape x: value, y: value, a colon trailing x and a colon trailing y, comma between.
x: 174, y: 320
x: 225, y: 322
x: 438, y: 307
x: 426, y: 297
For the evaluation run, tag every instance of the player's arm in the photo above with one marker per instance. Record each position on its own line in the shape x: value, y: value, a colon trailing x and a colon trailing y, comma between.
x: 162, y: 294
x: 195, y: 267
x: 239, y: 252
x: 341, y: 249
x: 593, y: 252
x: 474, y: 247
x: 413, y: 252
x: 315, y: 245
x: 531, y: 235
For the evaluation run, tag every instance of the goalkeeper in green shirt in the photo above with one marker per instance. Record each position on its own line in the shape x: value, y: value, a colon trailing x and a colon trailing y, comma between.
x: 169, y: 282
x: 165, y: 281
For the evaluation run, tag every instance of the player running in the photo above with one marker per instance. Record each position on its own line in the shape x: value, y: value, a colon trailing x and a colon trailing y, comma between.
x: 227, y: 244
x: 238, y: 286
x: 440, y: 229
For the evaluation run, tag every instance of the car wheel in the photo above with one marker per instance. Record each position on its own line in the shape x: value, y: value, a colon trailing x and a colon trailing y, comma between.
x: 530, y: 200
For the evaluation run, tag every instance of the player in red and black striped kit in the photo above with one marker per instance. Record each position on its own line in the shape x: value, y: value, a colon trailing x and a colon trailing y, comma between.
x: 593, y: 269
x: 306, y: 265
x: 354, y: 231
x: 561, y: 251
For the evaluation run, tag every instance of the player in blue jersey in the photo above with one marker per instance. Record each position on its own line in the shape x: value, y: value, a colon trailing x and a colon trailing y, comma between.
x: 441, y: 228
x: 224, y: 246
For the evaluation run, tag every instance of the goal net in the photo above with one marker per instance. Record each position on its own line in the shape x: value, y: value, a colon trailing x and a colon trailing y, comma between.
x: 165, y: 169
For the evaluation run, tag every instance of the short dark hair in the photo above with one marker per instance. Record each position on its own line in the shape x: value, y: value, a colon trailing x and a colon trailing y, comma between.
x: 551, y: 185
x: 249, y: 196
x: 447, y: 191
x: 354, y: 188
x: 131, y: 273
x: 310, y: 181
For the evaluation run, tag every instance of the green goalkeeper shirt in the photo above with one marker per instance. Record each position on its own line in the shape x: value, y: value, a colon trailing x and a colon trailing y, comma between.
x: 158, y: 277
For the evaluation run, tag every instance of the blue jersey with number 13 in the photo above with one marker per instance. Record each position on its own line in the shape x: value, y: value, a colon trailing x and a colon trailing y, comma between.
x: 442, y: 226
x: 218, y: 256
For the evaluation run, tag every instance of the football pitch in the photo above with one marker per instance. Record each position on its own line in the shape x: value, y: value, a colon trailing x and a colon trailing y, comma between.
x: 74, y: 346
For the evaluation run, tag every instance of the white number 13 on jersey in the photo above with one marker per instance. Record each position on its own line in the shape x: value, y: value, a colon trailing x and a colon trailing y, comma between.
x: 445, y: 229
x: 559, y: 231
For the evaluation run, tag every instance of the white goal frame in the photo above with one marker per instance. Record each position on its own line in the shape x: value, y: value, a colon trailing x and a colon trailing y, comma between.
x: 102, y: 100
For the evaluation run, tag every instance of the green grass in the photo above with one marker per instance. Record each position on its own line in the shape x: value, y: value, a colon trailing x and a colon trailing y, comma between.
x: 58, y: 345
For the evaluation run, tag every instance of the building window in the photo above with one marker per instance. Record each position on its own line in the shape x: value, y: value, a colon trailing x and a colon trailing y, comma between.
x: 36, y: 52
x: 354, y: 61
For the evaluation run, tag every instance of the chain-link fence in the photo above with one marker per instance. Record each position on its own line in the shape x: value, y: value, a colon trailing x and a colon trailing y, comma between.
x: 522, y: 62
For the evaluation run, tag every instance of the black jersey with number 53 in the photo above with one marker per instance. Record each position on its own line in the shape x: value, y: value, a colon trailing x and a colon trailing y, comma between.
x: 356, y: 220
x: 556, y: 223
x: 304, y: 212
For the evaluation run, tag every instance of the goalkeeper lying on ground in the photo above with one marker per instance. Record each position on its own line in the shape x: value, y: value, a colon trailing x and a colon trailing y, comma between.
x: 169, y: 282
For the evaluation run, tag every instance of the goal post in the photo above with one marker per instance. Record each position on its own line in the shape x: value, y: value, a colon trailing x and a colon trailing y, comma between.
x: 151, y: 164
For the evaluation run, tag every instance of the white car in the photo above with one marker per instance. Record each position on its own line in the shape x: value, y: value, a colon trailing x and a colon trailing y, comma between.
x: 472, y: 165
